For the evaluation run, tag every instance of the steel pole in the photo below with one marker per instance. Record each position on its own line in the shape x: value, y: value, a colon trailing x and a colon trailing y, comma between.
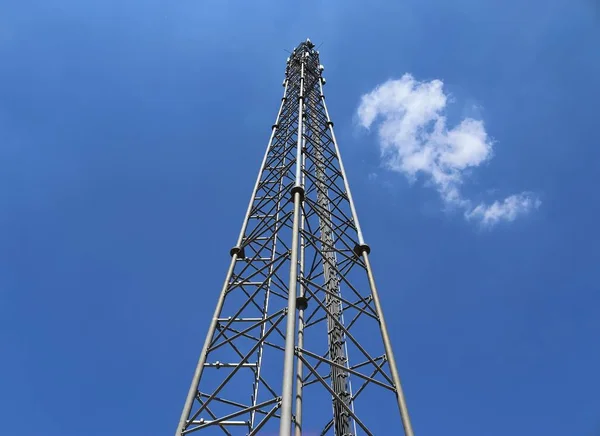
x: 361, y: 240
x: 290, y: 334
x: 300, y: 367
x: 408, y: 431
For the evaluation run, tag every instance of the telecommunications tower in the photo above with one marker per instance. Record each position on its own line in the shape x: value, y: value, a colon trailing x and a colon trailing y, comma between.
x: 298, y: 344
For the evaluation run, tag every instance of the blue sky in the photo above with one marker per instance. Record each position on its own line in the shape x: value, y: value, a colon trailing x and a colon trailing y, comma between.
x: 131, y: 132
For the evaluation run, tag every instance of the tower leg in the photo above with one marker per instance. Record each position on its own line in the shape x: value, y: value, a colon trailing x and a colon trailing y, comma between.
x: 408, y: 431
x: 290, y: 335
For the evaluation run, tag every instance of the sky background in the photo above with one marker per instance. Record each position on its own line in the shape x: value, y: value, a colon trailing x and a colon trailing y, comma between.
x: 130, y: 135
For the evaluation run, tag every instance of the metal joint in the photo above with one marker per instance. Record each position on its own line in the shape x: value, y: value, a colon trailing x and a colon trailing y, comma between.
x: 359, y: 249
x: 301, y: 303
x: 239, y: 251
x: 298, y: 189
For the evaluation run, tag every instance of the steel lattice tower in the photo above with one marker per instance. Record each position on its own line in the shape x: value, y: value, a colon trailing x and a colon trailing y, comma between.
x: 298, y: 343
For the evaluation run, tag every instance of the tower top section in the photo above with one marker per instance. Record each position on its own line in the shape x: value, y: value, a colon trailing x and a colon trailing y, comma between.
x: 305, y: 54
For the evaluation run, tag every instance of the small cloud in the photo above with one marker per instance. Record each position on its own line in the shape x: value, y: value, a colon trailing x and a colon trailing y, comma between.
x: 507, y: 210
x: 415, y: 139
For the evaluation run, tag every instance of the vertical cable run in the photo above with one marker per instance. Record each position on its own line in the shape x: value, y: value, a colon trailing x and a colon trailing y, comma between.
x: 335, y: 334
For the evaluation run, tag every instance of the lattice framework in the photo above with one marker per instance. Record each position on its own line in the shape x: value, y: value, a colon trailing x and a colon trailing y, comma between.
x: 298, y: 323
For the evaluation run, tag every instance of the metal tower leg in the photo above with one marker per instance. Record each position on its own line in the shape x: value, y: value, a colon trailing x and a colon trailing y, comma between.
x: 301, y: 306
x: 235, y: 252
x: 290, y: 338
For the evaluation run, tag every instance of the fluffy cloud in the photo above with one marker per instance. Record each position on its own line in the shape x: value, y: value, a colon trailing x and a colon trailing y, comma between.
x: 507, y: 210
x: 415, y: 139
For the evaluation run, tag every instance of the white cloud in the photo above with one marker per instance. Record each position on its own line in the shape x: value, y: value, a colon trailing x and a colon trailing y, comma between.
x: 415, y: 139
x: 508, y: 210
